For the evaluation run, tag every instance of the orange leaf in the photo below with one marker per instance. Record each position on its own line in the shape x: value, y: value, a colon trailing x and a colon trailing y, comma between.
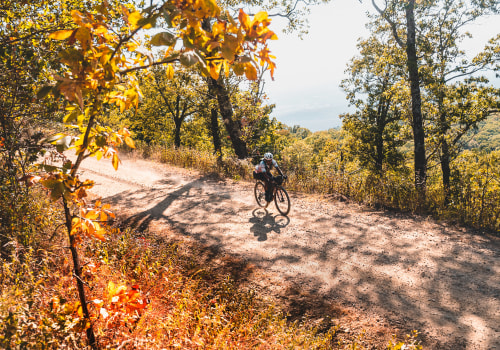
x: 77, y: 17
x: 244, y: 20
x: 250, y: 72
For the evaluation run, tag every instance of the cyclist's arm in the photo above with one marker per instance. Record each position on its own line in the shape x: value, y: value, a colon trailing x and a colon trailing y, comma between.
x: 279, y: 170
x: 261, y: 168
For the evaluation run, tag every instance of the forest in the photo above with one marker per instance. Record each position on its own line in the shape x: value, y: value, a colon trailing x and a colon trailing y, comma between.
x: 182, y: 82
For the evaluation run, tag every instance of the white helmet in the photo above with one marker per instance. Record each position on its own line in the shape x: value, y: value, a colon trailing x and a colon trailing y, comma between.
x: 268, y: 156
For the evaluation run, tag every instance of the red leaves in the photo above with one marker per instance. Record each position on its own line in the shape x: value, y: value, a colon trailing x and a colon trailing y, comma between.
x: 92, y: 221
x: 123, y: 305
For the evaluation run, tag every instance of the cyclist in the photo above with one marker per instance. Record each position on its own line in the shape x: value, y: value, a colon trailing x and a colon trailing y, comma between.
x: 263, y: 172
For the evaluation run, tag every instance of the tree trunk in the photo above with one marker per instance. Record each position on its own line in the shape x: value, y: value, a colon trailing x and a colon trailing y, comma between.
x: 445, y: 168
x: 381, y: 123
x: 214, y: 130
x: 177, y: 133
x: 77, y: 271
x: 417, y: 124
x: 233, y: 128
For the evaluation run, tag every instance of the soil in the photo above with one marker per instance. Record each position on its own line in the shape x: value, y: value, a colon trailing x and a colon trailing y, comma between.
x: 334, y: 262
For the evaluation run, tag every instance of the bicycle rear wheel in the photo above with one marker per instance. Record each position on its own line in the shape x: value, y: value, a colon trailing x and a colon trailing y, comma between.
x: 282, y: 201
x: 260, y: 194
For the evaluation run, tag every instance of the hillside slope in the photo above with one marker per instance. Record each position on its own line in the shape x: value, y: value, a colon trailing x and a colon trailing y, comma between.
x: 399, y: 271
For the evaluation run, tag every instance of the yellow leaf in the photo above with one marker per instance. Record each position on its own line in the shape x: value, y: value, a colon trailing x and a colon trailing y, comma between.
x: 214, y: 69
x: 170, y: 72
x: 111, y: 288
x: 129, y: 142
x: 61, y: 34
x: 133, y: 18
x: 80, y: 311
x: 101, y: 30
x: 99, y: 234
x: 92, y: 215
x: 218, y: 28
x: 83, y: 35
x: 261, y: 16
x: 115, y: 161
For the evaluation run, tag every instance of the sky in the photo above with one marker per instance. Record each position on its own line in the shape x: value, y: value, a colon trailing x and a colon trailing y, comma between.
x: 306, y: 81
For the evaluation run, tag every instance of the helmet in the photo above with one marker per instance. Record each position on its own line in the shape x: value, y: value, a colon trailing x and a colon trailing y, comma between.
x: 268, y: 156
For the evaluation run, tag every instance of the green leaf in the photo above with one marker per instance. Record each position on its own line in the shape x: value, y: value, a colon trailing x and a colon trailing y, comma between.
x: 50, y: 184
x: 163, y: 39
x: 71, y: 55
x: 70, y: 117
x: 148, y: 22
x: 100, y: 141
x: 63, y: 143
x: 43, y: 92
x: 53, y: 138
x: 190, y: 58
x: 57, y: 191
x: 49, y: 168
x: 67, y: 166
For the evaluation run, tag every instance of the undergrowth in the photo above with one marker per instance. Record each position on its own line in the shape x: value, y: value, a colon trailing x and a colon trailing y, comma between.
x: 189, y: 306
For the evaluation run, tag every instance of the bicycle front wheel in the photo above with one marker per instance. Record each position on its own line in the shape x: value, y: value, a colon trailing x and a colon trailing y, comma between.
x: 260, y: 194
x: 282, y: 201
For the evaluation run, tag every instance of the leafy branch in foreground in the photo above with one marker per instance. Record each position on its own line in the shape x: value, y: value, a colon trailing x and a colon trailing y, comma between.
x: 100, y: 61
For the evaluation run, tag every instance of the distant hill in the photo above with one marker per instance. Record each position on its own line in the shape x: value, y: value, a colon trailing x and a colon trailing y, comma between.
x: 487, y: 135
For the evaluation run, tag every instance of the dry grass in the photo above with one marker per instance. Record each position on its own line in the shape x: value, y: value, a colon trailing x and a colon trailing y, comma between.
x: 189, y: 305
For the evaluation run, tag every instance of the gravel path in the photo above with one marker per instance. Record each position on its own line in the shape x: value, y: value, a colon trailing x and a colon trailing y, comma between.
x: 398, y: 270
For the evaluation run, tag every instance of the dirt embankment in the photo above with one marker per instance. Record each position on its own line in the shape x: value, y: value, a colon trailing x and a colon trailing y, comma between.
x: 368, y: 269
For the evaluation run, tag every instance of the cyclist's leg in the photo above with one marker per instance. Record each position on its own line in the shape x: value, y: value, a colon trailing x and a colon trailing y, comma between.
x: 267, y: 185
x: 269, y: 190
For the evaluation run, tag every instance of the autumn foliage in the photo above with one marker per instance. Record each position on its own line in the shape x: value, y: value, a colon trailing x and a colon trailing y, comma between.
x: 98, y: 58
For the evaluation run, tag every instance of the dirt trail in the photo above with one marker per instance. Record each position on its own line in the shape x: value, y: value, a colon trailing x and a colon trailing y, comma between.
x: 405, y: 272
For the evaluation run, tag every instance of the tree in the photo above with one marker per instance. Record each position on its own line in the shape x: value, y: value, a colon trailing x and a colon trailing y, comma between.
x: 179, y: 95
x: 295, y: 12
x: 376, y: 87
x: 405, y: 36
x: 218, y: 89
x: 457, y: 104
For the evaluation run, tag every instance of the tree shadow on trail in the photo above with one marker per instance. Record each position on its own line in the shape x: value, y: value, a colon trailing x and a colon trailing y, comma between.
x: 141, y: 221
x: 264, y: 223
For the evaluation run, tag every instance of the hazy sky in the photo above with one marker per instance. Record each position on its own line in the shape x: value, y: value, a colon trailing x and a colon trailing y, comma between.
x: 306, y: 85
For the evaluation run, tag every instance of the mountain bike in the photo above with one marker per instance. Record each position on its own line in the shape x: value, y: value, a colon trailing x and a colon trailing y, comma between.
x: 280, y: 196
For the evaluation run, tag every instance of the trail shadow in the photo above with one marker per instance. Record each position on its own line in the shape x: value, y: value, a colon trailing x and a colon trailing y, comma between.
x: 142, y: 220
x: 372, y: 260
x: 264, y: 223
